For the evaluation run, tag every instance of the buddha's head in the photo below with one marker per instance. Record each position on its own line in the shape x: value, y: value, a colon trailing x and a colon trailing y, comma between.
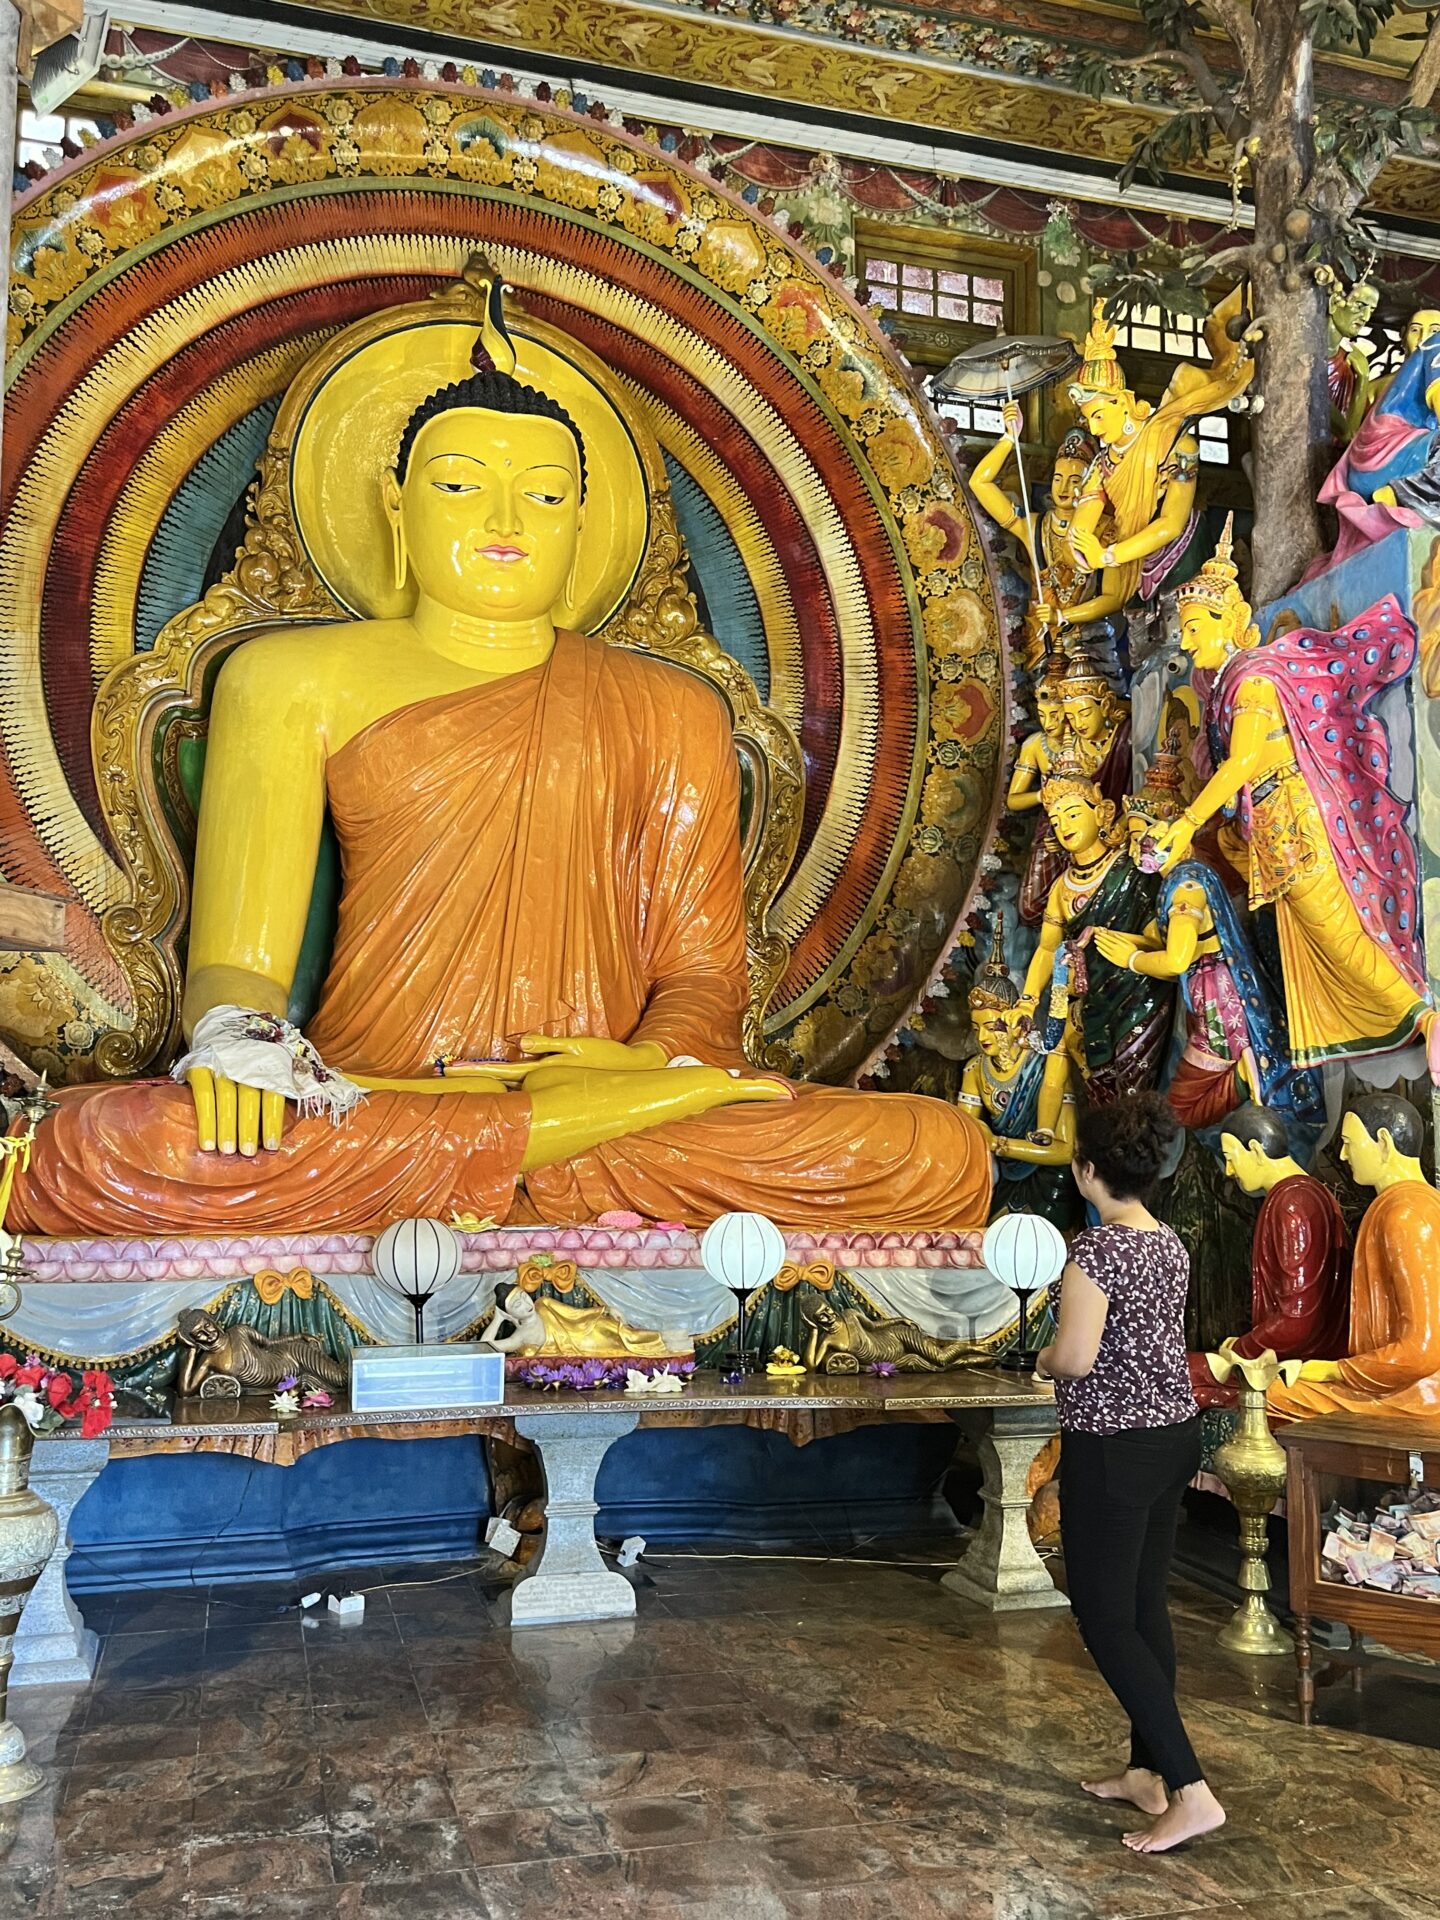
x: 1423, y: 325
x: 1214, y: 613
x: 195, y: 1327
x: 1099, y: 393
x: 994, y: 1008
x: 1253, y: 1145
x: 1380, y: 1139
x: 1080, y: 816
x: 1072, y: 463
x: 485, y: 500
x: 1090, y: 706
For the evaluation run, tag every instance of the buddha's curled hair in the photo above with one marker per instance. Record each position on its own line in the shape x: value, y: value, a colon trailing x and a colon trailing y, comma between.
x: 493, y: 392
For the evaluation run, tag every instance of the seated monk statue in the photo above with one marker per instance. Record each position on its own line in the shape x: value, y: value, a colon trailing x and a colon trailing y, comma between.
x: 1392, y: 1365
x: 531, y: 1323
x: 1299, y: 1258
x: 542, y: 882
x: 212, y: 1355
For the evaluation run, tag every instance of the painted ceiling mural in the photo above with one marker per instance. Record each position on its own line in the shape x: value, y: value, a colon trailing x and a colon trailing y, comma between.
x: 955, y: 69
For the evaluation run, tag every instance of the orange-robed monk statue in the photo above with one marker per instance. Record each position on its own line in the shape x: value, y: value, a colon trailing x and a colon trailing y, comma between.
x: 542, y: 885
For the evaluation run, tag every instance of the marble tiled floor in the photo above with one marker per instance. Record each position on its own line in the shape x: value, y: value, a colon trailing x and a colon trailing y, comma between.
x: 766, y: 1742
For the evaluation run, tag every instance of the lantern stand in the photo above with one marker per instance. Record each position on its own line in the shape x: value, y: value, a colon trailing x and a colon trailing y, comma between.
x: 1026, y: 1253
x: 743, y: 1252
x: 413, y: 1259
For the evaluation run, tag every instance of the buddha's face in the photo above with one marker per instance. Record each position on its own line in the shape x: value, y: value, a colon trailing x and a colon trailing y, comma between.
x: 1086, y: 716
x: 1206, y: 633
x: 1106, y: 415
x: 1423, y: 326
x: 1245, y: 1162
x: 203, y: 1331
x: 1050, y: 711
x: 1362, y: 1153
x: 1076, y: 824
x: 490, y: 510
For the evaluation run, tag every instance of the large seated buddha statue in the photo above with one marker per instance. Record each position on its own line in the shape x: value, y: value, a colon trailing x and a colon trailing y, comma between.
x: 535, y: 1004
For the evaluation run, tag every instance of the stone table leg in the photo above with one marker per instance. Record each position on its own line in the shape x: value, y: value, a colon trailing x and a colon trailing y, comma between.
x: 570, y: 1581
x: 1000, y: 1568
x: 54, y: 1647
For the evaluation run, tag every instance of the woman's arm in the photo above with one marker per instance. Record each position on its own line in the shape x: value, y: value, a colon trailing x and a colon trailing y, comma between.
x: 1083, y: 1307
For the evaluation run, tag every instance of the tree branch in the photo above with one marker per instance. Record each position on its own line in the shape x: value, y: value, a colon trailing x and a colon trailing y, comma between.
x: 1212, y: 92
x: 1236, y: 19
x: 1425, y: 74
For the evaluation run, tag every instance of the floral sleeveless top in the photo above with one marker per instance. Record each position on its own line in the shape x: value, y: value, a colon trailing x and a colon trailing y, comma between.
x: 1140, y: 1377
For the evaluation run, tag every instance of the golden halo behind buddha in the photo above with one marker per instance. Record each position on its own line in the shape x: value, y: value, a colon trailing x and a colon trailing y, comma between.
x: 350, y: 421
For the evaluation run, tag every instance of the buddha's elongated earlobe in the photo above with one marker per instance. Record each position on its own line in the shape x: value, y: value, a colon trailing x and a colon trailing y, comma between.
x: 397, y: 547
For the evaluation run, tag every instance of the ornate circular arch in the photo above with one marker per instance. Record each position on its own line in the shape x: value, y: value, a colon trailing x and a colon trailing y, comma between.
x: 168, y: 286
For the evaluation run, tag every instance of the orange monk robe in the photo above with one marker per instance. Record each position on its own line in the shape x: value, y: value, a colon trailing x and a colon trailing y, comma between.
x: 556, y: 852
x: 1394, y: 1363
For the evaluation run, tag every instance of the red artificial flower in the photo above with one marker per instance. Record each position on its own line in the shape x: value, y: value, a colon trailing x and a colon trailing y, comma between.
x: 57, y: 1390
x: 99, y: 1383
x: 8, y: 1365
x: 31, y: 1375
x: 93, y: 1422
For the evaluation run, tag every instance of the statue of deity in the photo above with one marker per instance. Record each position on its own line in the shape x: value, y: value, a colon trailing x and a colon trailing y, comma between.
x: 1392, y: 1355
x: 1422, y: 325
x: 526, y: 1323
x: 1063, y: 578
x: 542, y: 881
x: 845, y: 1342
x: 1236, y: 1047
x: 1112, y: 1022
x: 1038, y: 751
x: 1001, y: 1088
x: 1351, y: 379
x: 1329, y: 847
x: 213, y: 1357
x: 1299, y: 1258
x: 1136, y: 513
x: 1389, y: 475
x: 1097, y: 721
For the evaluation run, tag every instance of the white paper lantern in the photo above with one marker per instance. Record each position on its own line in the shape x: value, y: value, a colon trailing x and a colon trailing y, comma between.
x: 413, y: 1258
x: 1024, y: 1252
x: 742, y: 1251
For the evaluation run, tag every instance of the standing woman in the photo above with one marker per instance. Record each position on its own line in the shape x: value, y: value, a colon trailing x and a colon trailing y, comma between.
x: 1130, y: 1447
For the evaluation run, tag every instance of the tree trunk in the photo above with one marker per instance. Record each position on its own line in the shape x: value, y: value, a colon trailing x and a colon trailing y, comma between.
x: 1291, y: 434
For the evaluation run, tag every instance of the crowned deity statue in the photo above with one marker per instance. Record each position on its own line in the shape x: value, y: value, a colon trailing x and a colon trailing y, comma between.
x: 1390, y: 1362
x: 1038, y: 751
x: 1350, y: 377
x: 1062, y: 578
x: 1236, y: 1046
x: 542, y: 885
x: 1389, y: 475
x: 1136, y: 514
x: 1097, y: 721
x: 1110, y: 1024
x: 1290, y: 742
x: 1001, y: 1088
x: 1422, y: 325
x: 1299, y: 1256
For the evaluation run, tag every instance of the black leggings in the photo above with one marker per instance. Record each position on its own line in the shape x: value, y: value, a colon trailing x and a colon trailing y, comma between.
x: 1119, y: 1500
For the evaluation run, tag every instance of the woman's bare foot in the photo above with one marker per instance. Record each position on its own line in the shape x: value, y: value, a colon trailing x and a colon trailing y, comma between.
x: 1193, y: 1811
x: 1136, y: 1786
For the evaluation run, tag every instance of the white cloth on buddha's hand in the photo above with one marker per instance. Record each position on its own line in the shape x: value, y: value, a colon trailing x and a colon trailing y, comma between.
x: 262, y: 1050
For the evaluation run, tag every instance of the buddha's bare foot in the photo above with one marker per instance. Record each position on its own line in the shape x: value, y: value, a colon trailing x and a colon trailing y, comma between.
x: 1136, y: 1786
x: 1192, y: 1812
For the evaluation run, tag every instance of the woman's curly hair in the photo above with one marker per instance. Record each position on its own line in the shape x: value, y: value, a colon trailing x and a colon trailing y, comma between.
x: 1128, y: 1144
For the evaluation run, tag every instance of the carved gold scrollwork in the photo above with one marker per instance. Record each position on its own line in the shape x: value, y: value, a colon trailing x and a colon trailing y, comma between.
x: 271, y: 581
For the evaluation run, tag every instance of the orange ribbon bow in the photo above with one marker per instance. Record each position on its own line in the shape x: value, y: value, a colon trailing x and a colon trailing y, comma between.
x: 272, y: 1285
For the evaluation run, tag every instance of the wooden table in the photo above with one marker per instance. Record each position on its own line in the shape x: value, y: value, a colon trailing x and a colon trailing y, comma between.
x: 1341, y: 1448
x: 1007, y: 1414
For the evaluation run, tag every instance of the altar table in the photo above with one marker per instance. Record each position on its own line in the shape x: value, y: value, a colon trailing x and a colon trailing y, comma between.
x: 1008, y: 1416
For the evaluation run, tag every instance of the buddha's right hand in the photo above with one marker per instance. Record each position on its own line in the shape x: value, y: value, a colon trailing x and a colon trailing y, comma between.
x: 231, y: 1118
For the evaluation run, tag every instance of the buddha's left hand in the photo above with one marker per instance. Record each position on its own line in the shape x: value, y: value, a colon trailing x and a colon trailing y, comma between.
x: 550, y: 1050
